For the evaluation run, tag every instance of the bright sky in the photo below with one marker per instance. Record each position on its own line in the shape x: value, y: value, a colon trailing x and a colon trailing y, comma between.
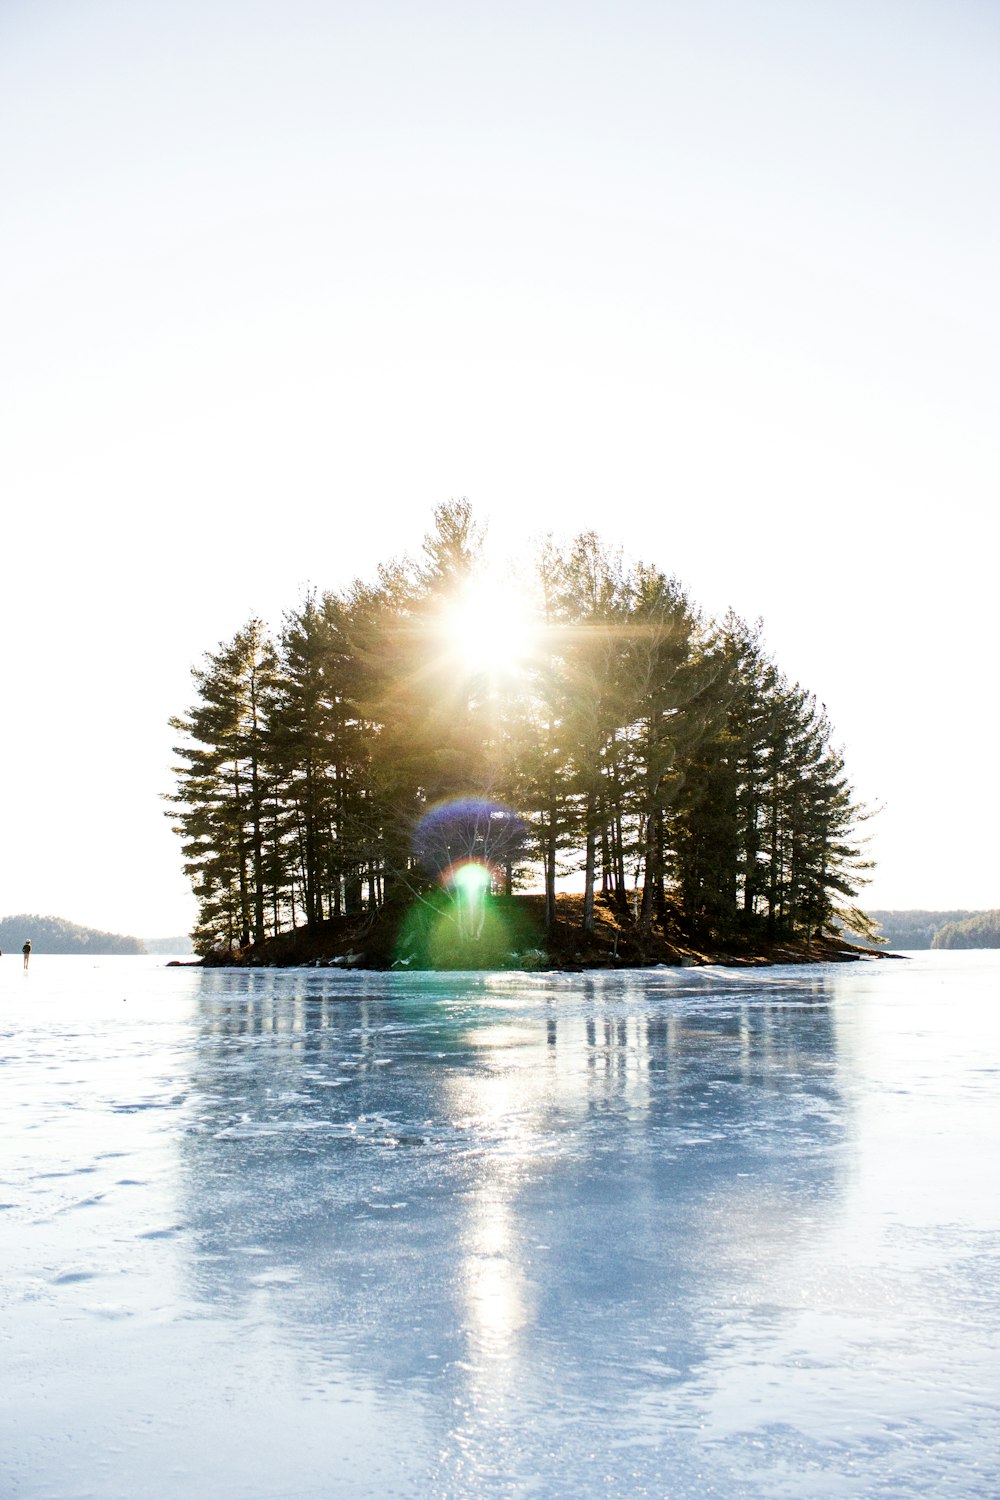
x: 718, y: 280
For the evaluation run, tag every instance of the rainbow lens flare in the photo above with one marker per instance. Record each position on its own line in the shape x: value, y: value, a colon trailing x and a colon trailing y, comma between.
x: 468, y: 831
x: 469, y: 845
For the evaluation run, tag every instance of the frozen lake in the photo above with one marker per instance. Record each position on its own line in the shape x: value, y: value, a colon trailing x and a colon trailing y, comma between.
x: 689, y: 1233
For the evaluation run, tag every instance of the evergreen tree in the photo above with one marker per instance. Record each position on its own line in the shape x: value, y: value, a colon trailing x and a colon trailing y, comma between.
x: 308, y: 750
x: 223, y: 785
x: 546, y: 779
x: 593, y: 604
x: 766, y: 837
x: 671, y: 674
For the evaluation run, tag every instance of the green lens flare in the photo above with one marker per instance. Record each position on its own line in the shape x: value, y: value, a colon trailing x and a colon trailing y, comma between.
x: 471, y: 880
x: 456, y: 929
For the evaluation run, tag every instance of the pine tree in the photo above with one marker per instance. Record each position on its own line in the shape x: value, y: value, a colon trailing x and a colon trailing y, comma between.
x: 671, y: 675
x: 308, y: 752
x: 223, y: 785
x: 766, y: 827
x: 591, y: 598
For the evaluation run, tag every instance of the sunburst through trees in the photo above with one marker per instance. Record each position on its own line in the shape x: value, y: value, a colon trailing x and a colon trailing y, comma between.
x: 586, y: 719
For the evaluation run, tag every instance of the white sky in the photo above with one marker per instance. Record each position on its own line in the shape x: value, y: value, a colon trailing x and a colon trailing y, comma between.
x: 718, y: 280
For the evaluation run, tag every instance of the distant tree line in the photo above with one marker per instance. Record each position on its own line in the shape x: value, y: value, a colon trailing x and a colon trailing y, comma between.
x: 56, y: 935
x: 661, y: 755
x: 913, y: 928
x: 179, y: 944
x: 916, y: 929
x: 981, y: 930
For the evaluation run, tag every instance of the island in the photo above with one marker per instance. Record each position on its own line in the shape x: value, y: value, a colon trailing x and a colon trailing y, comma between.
x: 567, y: 763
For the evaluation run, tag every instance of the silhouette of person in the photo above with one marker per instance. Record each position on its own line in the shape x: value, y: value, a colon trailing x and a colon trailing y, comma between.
x: 26, y: 950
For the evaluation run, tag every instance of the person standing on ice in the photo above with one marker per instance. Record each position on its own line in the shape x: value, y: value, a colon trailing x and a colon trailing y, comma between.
x: 26, y: 950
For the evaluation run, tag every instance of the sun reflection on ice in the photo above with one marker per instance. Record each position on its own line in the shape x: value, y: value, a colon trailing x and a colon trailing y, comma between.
x: 491, y: 1276
x: 492, y: 1280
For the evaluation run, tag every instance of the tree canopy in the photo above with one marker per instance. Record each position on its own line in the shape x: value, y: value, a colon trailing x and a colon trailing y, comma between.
x: 582, y: 717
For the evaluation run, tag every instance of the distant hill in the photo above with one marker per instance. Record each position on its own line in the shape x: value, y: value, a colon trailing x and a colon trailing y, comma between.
x: 982, y: 930
x: 57, y: 935
x: 169, y: 945
x: 916, y: 929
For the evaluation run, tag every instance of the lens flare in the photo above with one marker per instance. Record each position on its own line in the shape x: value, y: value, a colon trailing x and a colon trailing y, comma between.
x: 471, y: 883
x: 467, y: 844
x: 468, y: 831
x: 471, y: 879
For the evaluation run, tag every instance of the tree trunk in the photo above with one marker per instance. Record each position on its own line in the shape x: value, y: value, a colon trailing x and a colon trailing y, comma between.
x: 588, y: 886
x: 550, y: 876
x: 649, y: 875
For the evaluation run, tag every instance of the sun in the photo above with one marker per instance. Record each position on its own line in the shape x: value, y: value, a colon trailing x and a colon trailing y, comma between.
x: 489, y: 629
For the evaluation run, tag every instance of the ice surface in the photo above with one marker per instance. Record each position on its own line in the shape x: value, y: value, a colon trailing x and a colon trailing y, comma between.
x: 307, y: 1234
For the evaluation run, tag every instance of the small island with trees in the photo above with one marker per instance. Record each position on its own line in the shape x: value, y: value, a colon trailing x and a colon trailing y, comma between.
x: 383, y: 783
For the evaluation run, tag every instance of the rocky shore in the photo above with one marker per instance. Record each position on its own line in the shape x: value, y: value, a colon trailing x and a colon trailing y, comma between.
x: 509, y: 933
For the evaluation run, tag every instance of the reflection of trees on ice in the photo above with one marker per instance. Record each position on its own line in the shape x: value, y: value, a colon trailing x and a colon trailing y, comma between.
x: 539, y: 1204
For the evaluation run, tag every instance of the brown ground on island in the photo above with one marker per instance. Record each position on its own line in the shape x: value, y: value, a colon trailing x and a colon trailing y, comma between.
x: 426, y: 935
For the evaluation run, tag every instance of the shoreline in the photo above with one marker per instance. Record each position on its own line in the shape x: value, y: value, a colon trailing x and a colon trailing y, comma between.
x: 511, y: 937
